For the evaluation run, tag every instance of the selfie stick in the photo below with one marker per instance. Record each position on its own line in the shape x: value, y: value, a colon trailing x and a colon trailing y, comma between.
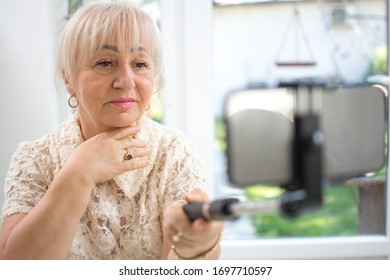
x: 305, y: 189
x: 232, y: 208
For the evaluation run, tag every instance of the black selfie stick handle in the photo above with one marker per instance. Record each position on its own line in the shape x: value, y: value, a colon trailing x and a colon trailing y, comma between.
x: 218, y: 210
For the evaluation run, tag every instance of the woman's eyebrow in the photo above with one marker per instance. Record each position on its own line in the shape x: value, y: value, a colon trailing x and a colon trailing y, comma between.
x: 115, y: 48
x: 139, y: 49
x: 109, y: 47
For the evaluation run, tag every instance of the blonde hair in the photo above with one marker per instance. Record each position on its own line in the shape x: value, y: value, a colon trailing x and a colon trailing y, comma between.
x: 97, y: 23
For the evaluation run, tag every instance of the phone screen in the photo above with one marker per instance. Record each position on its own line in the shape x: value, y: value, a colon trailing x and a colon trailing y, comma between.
x: 260, y: 126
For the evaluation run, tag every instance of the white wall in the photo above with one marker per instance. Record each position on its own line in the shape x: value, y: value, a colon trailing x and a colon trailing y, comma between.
x: 30, y: 106
x: 246, y: 40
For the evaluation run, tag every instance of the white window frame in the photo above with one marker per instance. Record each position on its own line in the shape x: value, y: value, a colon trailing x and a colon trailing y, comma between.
x: 187, y: 32
x: 186, y: 29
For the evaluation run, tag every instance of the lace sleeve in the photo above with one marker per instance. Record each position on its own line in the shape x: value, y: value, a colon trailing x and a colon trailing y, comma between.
x: 25, y: 183
x: 186, y: 172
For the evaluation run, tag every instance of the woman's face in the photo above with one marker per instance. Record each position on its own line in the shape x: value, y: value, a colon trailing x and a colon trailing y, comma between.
x: 113, y: 88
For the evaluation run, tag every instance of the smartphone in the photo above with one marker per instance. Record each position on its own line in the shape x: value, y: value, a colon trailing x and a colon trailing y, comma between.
x: 260, y: 127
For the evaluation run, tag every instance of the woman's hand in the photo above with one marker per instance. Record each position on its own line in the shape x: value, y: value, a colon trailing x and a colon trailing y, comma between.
x: 102, y: 157
x: 190, y: 240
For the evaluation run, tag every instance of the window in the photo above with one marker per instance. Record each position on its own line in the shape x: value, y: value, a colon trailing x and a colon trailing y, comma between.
x: 342, y: 43
x: 211, y: 49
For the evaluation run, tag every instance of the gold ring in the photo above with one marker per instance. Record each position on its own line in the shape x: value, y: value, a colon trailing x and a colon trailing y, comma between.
x: 127, y: 156
x: 176, y: 237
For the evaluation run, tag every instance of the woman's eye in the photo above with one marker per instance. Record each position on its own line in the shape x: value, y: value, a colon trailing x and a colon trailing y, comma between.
x: 104, y: 63
x: 140, y: 67
x: 104, y: 66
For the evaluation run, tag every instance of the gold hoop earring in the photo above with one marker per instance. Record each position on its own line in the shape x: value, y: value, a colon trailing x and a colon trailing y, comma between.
x: 148, y: 107
x: 73, y: 102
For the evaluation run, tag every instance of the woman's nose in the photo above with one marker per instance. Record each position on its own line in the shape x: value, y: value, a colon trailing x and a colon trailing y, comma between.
x: 124, y: 77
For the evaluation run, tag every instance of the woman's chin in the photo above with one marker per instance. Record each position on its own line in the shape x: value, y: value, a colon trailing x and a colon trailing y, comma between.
x: 123, y: 122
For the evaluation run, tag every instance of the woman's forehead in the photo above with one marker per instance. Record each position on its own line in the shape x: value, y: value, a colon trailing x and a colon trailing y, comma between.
x: 113, y: 47
x: 130, y: 41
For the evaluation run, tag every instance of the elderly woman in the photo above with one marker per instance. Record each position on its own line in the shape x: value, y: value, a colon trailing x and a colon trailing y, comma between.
x: 107, y: 183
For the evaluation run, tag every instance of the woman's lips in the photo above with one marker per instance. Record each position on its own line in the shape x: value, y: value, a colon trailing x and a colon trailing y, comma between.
x: 123, y: 102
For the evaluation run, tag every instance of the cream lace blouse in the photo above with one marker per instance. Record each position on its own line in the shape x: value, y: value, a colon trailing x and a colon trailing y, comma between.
x: 124, y: 216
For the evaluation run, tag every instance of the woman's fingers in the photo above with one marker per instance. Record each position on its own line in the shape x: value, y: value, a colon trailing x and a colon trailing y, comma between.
x: 196, y: 195
x: 135, y: 148
x: 132, y: 147
x: 190, y: 239
x: 135, y: 163
x: 128, y: 146
x: 111, y: 153
x: 136, y: 154
x: 176, y: 219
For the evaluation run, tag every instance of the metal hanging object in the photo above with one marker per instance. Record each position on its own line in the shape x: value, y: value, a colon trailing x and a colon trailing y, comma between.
x: 295, y: 22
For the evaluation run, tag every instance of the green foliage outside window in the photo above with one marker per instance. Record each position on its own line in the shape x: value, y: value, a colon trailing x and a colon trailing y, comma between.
x: 338, y: 216
x: 378, y: 64
x: 73, y: 5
